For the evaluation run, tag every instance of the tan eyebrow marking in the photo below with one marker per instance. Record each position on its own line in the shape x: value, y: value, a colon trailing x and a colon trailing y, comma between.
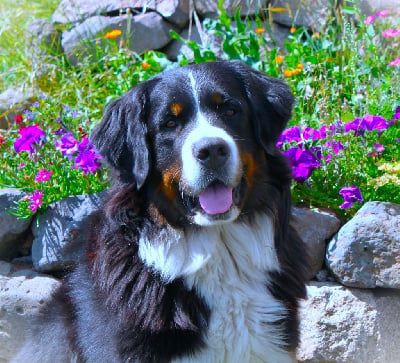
x: 176, y: 109
x: 217, y: 98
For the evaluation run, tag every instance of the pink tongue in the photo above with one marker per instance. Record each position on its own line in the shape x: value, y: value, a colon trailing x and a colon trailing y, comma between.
x: 216, y: 199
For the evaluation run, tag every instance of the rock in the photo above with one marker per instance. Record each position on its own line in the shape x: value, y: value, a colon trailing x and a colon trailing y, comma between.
x: 76, y: 11
x: 141, y: 32
x: 22, y: 293
x: 309, y: 13
x: 14, y: 101
x: 208, y: 8
x: 62, y: 232
x: 370, y: 7
x: 316, y: 228
x: 349, y: 325
x: 12, y: 230
x: 366, y: 251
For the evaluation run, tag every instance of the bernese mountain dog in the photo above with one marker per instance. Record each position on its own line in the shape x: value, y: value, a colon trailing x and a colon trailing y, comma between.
x: 192, y: 258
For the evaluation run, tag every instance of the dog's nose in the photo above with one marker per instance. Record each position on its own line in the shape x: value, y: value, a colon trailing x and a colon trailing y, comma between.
x: 211, y: 152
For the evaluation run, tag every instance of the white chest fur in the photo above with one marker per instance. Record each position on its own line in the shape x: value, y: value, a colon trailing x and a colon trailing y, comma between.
x: 228, y: 266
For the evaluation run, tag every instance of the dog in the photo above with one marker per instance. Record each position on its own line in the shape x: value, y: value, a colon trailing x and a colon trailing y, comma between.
x: 192, y: 258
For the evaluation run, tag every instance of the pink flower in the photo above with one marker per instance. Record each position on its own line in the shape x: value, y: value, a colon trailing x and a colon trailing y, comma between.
x: 369, y: 19
x: 36, y: 200
x: 395, y: 62
x: 43, y: 175
x: 20, y: 166
x: 391, y: 33
x: 383, y: 13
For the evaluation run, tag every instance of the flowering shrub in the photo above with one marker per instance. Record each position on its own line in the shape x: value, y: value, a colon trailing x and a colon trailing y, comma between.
x: 344, y: 158
x: 46, y: 161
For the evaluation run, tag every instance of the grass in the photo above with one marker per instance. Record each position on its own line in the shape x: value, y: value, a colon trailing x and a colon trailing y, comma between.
x: 341, y: 73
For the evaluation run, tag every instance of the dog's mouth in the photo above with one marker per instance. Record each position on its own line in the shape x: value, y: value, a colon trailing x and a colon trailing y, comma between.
x: 215, y: 201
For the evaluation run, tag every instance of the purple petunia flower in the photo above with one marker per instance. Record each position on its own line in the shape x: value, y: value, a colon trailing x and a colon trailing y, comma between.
x: 367, y: 123
x: 288, y: 135
x: 303, y: 163
x: 335, y: 146
x: 313, y: 134
x: 68, y: 145
x: 31, y: 137
x: 36, y: 200
x: 350, y: 195
x: 88, y: 159
x: 43, y: 175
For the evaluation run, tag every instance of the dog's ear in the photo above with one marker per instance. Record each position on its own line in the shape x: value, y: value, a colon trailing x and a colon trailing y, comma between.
x: 121, y: 136
x: 271, y: 102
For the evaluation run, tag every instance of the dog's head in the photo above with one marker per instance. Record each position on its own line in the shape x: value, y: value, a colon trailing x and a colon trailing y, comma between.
x: 199, y: 140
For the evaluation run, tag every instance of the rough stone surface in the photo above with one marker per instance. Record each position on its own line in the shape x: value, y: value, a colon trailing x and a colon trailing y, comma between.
x: 12, y: 230
x: 316, y: 228
x: 208, y: 8
x: 22, y: 293
x: 308, y: 13
x: 141, y: 32
x: 62, y: 232
x: 366, y: 251
x: 75, y: 11
x: 14, y: 101
x: 345, y: 325
x: 372, y: 6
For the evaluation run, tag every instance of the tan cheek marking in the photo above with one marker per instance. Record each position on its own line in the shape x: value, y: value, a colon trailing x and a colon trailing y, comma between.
x: 176, y: 109
x: 170, y: 179
x: 250, y: 166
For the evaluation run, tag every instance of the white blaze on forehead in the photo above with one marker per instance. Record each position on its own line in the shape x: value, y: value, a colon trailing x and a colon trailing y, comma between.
x: 191, y: 168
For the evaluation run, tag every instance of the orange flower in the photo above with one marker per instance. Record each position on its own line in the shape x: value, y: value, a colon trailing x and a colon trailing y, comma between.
x: 278, y: 10
x: 292, y: 29
x: 287, y: 73
x: 146, y: 65
x: 278, y: 59
x: 113, y: 34
x: 300, y: 67
x: 259, y: 30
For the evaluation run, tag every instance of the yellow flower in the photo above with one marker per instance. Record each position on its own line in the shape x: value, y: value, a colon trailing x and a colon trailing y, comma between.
x: 113, y: 34
x: 259, y: 30
x: 278, y: 59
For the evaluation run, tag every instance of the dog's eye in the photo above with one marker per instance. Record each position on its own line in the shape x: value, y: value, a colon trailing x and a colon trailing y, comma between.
x: 230, y: 112
x: 171, y: 124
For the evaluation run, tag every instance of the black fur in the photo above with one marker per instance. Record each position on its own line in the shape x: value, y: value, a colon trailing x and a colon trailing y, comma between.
x: 115, y: 309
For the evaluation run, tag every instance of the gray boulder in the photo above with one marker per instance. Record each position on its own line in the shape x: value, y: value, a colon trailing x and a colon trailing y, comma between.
x: 13, y: 231
x: 309, y: 14
x: 61, y: 235
x: 316, y: 228
x: 141, y: 32
x: 22, y: 293
x: 14, y: 101
x: 345, y: 325
x: 76, y: 11
x: 366, y: 251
